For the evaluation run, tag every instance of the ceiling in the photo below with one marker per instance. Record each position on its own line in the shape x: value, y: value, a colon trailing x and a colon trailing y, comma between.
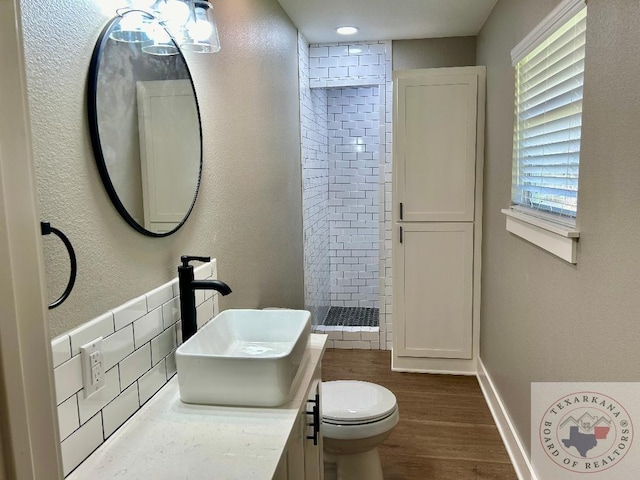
x: 387, y: 19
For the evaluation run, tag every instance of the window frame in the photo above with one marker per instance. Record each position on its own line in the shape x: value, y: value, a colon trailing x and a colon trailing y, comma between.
x: 552, y: 232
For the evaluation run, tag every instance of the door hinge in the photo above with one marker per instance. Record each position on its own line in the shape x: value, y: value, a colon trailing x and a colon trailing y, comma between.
x: 400, y: 234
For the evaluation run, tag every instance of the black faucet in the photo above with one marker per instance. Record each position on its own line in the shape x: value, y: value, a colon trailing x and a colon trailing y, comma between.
x: 188, y: 285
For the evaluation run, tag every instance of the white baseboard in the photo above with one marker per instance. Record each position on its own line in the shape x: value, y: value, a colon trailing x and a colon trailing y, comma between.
x: 511, y: 440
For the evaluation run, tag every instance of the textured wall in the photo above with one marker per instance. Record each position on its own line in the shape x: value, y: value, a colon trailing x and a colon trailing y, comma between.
x: 315, y: 190
x: 248, y: 212
x: 434, y: 53
x: 542, y: 318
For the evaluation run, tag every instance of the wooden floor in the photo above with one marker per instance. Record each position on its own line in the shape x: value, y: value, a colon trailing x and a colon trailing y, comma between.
x: 445, y: 431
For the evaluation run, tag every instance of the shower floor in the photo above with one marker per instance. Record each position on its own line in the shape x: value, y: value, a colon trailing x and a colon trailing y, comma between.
x: 352, y: 317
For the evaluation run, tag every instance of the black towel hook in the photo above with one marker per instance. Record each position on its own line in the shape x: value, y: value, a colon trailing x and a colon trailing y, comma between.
x: 46, y: 229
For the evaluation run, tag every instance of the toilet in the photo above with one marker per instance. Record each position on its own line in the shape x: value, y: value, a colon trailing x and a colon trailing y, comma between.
x: 356, y: 418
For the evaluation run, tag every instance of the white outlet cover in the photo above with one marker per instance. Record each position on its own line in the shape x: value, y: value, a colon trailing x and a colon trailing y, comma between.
x: 92, y: 362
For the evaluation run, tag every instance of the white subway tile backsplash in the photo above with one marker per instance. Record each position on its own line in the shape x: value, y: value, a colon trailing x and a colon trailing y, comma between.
x: 117, y: 346
x: 171, y: 312
x: 159, y: 296
x: 149, y: 323
x: 118, y: 411
x: 80, y: 444
x: 98, y: 327
x: 152, y: 381
x: 60, y: 349
x: 204, y: 312
x: 171, y: 365
x: 134, y: 366
x: 162, y: 345
x: 147, y: 327
x: 68, y: 420
x: 88, y: 407
x: 129, y: 312
x: 68, y: 378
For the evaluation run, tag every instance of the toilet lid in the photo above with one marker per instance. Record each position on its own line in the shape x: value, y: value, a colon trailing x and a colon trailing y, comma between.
x: 354, y: 401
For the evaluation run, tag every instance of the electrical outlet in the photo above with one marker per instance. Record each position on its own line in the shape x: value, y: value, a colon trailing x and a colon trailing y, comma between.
x: 91, y: 358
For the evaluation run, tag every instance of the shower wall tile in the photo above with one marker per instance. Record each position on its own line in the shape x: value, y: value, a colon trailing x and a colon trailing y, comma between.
x: 354, y: 197
x: 132, y: 376
x: 315, y: 178
x: 369, y: 66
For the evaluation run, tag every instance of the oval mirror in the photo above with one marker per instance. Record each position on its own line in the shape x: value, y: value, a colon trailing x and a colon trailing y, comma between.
x: 145, y: 125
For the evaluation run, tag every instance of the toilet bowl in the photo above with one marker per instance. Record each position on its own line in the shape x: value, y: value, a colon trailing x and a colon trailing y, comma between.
x: 356, y: 418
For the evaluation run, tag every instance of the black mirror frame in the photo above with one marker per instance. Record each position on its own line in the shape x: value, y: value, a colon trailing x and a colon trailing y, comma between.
x: 92, y: 110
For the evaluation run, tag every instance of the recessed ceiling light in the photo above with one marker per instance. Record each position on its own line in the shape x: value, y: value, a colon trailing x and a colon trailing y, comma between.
x: 347, y: 30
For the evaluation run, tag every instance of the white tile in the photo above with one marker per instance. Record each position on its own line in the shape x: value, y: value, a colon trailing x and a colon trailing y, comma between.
x: 171, y: 312
x: 98, y: 327
x: 130, y: 311
x: 370, y: 336
x: 362, y: 345
x: 200, y: 297
x: 343, y: 344
x: 315, y: 52
x: 152, y: 381
x: 118, y: 411
x: 160, y: 295
x: 351, y: 335
x: 204, y: 312
x: 202, y: 272
x: 162, y: 345
x: 147, y: 327
x: 81, y: 444
x: 68, y: 378
x: 178, y: 326
x: 338, y: 50
x: 176, y: 288
x: 117, y: 346
x: 88, y: 407
x: 68, y: 421
x: 60, y: 349
x: 171, y: 365
x: 334, y: 334
x: 134, y: 366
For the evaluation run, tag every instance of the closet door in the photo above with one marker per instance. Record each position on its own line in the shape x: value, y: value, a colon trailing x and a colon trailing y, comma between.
x: 435, y: 146
x: 433, y: 281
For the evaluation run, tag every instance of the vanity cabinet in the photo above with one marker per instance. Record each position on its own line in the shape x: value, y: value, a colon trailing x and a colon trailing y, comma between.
x: 302, y: 459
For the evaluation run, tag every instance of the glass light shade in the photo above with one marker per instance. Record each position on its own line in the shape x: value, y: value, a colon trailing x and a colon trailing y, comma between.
x: 202, y: 31
x: 135, y: 27
x: 162, y: 44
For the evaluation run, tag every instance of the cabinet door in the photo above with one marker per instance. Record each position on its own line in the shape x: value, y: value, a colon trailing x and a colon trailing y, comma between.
x: 313, y: 461
x: 435, y: 145
x: 433, y: 301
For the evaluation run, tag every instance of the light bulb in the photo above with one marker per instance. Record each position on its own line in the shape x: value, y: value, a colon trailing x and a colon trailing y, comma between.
x: 200, y: 30
x: 174, y: 12
x: 141, y: 4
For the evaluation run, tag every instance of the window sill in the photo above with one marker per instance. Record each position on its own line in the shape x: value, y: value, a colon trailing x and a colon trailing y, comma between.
x: 560, y: 240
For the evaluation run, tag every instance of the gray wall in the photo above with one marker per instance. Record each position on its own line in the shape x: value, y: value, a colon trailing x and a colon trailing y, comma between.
x: 434, y: 53
x: 248, y: 214
x: 542, y: 318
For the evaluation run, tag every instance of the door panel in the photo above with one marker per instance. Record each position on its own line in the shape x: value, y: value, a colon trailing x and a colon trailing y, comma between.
x: 434, y: 304
x: 436, y: 147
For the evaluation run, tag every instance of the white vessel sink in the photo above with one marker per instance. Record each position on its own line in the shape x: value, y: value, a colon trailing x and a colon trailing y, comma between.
x: 245, y: 358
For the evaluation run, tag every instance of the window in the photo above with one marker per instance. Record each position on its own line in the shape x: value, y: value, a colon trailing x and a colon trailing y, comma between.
x: 548, y: 106
x: 549, y: 71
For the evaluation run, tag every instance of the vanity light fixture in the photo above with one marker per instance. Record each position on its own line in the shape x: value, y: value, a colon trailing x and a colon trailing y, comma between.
x: 347, y: 30
x: 160, y: 25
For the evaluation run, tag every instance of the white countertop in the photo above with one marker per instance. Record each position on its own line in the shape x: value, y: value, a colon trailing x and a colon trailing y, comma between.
x: 168, y: 439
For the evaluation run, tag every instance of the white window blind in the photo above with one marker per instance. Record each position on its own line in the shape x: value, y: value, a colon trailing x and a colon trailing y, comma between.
x: 548, y: 108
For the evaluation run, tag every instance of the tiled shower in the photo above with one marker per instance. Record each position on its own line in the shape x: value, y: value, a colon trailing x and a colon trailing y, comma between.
x: 344, y: 123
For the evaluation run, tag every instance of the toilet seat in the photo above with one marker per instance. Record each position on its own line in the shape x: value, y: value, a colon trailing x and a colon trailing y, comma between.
x: 355, y: 409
